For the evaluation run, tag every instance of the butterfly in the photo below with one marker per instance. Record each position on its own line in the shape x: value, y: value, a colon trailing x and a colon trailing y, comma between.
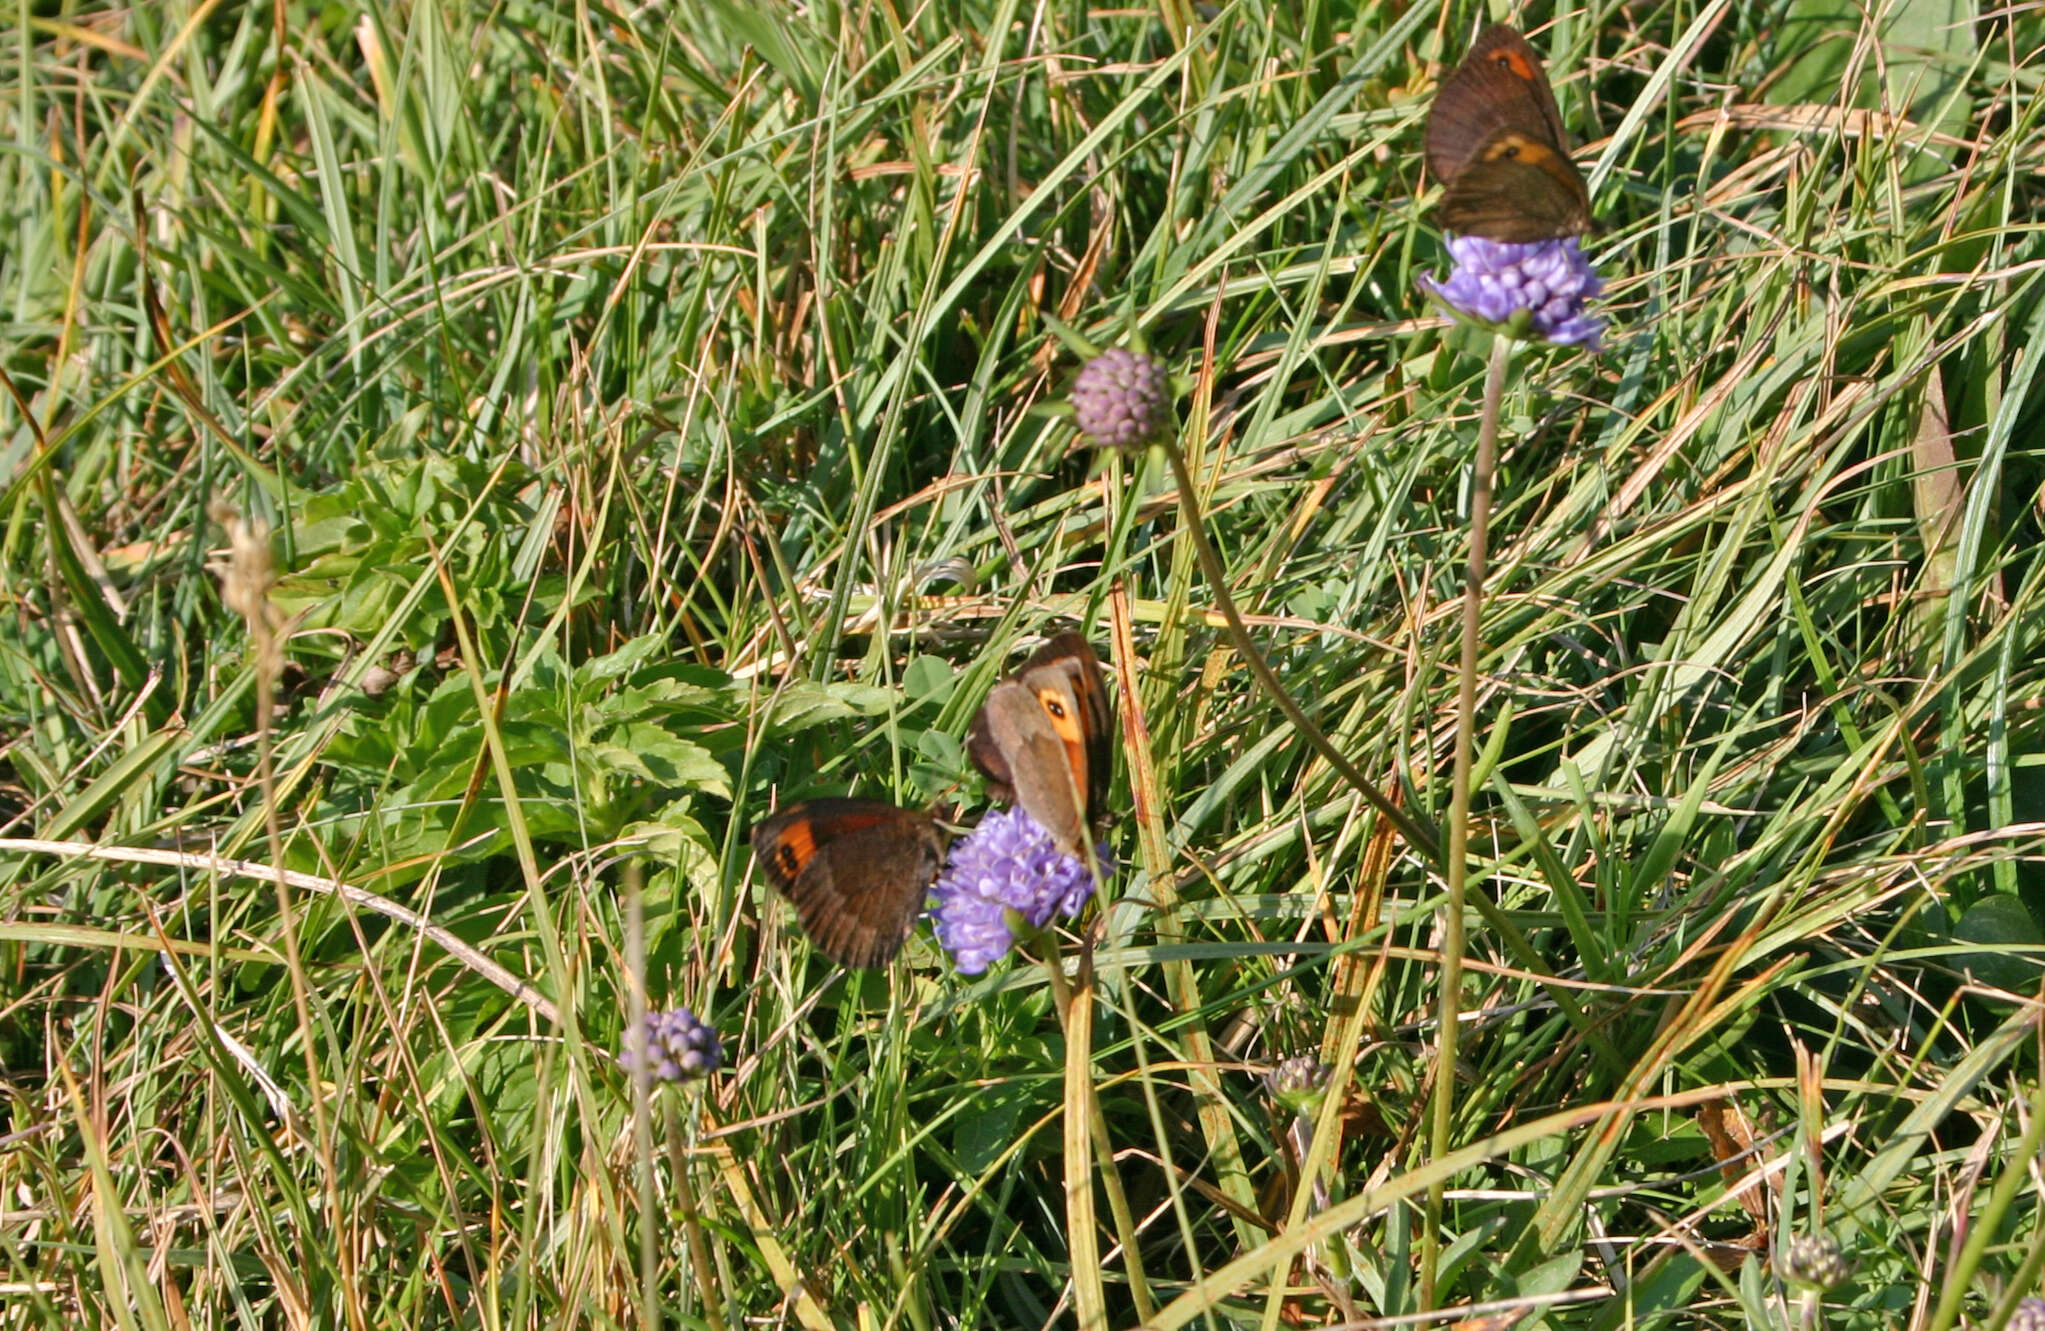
x: 1495, y: 140
x: 856, y: 871
x: 1043, y: 739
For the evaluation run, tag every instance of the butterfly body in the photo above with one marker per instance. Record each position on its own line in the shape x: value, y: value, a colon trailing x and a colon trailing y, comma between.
x: 1495, y: 139
x: 1044, y: 739
x: 856, y: 871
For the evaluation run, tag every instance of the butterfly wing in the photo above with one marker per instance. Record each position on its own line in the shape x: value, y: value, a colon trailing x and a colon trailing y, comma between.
x: 1517, y: 189
x: 1044, y: 739
x: 856, y: 871
x: 1499, y: 86
x: 1502, y: 50
x: 1075, y: 682
x: 1036, y: 760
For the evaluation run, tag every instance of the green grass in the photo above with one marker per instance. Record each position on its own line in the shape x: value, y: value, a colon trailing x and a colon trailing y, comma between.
x: 645, y: 405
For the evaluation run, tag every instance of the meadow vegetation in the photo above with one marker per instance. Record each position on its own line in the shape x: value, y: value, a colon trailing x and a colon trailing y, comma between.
x: 463, y: 464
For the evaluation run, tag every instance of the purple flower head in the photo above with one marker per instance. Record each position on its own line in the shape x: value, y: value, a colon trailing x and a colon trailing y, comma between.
x: 1121, y: 398
x: 1006, y: 863
x: 1299, y: 1084
x: 2029, y: 1315
x: 678, y: 1047
x: 1546, y: 281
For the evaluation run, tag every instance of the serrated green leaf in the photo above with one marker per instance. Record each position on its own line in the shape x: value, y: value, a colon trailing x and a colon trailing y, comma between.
x: 804, y: 705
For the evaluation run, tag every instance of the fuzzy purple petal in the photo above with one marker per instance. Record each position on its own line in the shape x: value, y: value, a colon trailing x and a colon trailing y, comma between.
x: 1491, y: 280
x: 1006, y: 863
x: 1121, y: 398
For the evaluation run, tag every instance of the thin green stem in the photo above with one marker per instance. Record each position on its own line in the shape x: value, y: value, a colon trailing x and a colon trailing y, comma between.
x: 1418, y: 835
x: 1986, y: 1227
x: 679, y: 1165
x: 1452, y: 940
x: 642, y: 1094
x: 1065, y: 996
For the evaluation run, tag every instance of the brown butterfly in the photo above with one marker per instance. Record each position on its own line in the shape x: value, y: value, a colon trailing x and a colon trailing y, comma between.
x: 857, y: 872
x: 1495, y: 140
x: 1043, y: 738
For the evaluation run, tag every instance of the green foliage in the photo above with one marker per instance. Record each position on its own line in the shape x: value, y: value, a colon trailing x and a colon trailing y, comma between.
x: 591, y: 747
x: 647, y: 405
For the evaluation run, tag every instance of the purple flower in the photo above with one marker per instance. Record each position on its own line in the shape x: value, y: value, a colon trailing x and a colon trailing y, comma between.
x: 2029, y: 1315
x: 1121, y: 398
x: 1006, y: 863
x: 1494, y: 280
x: 678, y: 1047
x: 1299, y: 1084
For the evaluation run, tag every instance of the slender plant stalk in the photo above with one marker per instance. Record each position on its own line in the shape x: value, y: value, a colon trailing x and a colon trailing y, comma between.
x: 642, y: 1098
x: 679, y: 1165
x: 1418, y: 835
x: 245, y: 588
x: 1452, y: 941
x: 643, y: 1102
x: 1987, y: 1224
x: 1078, y: 1027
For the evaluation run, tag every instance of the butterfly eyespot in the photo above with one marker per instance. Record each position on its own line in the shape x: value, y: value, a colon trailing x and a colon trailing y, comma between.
x: 1515, y: 64
x: 787, y: 859
x: 1496, y: 140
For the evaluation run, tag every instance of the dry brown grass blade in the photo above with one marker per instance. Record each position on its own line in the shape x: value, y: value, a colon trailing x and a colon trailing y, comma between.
x: 1733, y: 1144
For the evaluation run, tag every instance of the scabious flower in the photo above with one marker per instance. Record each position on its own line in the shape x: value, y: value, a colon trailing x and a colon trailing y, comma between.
x: 1815, y: 1260
x: 1299, y: 1084
x: 1546, y: 282
x: 678, y: 1047
x: 1122, y: 398
x: 2029, y: 1315
x: 1007, y: 863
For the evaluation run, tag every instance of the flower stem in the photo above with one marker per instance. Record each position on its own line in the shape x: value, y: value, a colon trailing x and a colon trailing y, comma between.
x: 642, y: 1092
x: 1452, y: 941
x: 1082, y: 1163
x: 679, y: 1166
x: 1418, y: 835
